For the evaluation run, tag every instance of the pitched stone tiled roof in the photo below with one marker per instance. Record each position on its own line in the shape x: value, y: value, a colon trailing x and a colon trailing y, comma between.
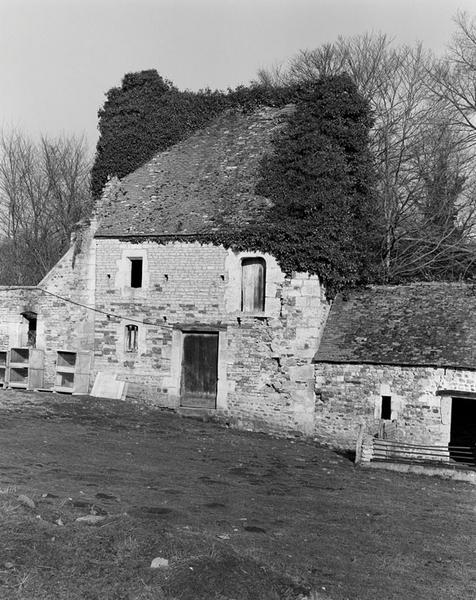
x: 197, y: 185
x: 430, y: 324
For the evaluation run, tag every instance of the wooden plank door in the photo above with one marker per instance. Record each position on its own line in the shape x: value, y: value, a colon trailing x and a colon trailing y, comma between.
x: 199, y: 370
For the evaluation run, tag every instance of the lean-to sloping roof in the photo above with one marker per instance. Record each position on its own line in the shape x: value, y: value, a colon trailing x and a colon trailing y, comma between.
x: 197, y: 185
x: 427, y: 324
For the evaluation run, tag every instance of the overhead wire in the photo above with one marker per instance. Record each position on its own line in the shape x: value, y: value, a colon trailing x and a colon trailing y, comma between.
x: 109, y: 314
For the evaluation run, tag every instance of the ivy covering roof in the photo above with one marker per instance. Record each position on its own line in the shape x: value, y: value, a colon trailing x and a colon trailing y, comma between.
x: 424, y: 324
x: 198, y: 184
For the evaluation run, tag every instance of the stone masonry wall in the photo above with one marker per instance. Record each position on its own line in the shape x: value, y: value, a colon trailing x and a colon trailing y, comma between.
x: 15, y: 300
x: 348, y: 395
x: 266, y: 377
x: 62, y: 324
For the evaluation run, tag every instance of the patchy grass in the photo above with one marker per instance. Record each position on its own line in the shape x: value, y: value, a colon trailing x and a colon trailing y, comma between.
x: 237, y: 515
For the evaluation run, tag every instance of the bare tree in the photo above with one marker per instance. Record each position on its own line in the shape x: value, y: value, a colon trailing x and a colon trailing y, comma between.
x: 454, y: 77
x: 417, y: 144
x: 44, y: 192
x: 435, y: 238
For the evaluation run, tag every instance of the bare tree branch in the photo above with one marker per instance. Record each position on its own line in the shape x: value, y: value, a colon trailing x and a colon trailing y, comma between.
x: 44, y: 192
x: 425, y: 164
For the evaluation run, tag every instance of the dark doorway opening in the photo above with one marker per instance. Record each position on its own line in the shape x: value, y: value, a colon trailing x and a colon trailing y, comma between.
x: 31, y: 318
x: 462, y: 444
x: 199, y: 370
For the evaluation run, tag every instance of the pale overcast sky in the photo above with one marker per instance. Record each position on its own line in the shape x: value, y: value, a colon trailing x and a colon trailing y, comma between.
x: 59, y: 57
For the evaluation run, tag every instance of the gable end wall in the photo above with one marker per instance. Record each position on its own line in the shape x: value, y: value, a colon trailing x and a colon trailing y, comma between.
x: 266, y: 376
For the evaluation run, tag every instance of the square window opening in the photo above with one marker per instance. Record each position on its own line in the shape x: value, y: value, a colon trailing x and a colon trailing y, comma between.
x: 386, y: 411
x: 131, y: 338
x: 136, y: 272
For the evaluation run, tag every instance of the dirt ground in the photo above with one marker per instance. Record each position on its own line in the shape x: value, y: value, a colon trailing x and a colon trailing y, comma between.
x: 237, y: 515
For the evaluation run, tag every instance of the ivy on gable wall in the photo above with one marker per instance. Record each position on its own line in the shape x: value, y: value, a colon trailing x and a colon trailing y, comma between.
x: 323, y: 218
x: 148, y: 114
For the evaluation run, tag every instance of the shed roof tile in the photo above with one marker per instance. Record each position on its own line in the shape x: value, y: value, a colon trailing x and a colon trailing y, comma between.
x: 430, y: 324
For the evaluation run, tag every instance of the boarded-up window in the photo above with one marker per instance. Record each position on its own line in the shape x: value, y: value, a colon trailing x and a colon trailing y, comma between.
x: 131, y: 338
x: 253, y: 283
x: 136, y: 272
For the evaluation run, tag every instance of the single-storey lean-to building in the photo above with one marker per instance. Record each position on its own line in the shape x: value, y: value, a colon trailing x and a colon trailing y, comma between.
x: 402, y: 356
x: 201, y: 328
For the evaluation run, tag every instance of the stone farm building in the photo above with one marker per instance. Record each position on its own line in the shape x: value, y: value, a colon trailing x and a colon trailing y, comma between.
x: 198, y: 327
x: 403, y: 356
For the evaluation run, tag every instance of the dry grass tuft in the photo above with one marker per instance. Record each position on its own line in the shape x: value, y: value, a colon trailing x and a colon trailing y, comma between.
x: 8, y: 501
x: 228, y: 575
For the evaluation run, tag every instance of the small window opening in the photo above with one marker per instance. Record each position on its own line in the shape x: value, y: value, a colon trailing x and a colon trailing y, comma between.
x: 253, y: 284
x: 131, y: 338
x: 386, y: 413
x: 31, y: 318
x: 136, y: 272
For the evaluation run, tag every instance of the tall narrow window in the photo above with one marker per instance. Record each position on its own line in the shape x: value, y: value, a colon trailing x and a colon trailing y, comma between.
x: 386, y: 412
x: 253, y: 284
x: 131, y: 338
x: 136, y: 272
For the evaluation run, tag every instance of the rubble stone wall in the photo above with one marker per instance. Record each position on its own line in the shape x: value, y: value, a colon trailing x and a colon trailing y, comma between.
x: 63, y: 322
x: 348, y: 395
x: 265, y: 374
